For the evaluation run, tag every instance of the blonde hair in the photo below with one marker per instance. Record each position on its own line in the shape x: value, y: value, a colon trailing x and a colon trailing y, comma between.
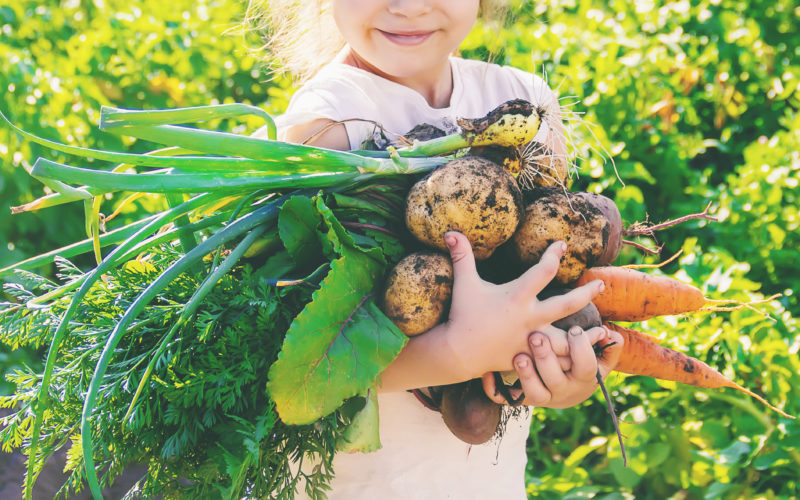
x: 301, y: 36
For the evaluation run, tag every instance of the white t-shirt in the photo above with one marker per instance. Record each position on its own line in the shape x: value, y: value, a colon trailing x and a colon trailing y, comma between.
x: 420, y: 458
x: 343, y: 92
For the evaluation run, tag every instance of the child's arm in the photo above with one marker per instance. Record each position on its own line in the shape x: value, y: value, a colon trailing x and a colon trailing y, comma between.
x: 323, y: 133
x: 488, y: 324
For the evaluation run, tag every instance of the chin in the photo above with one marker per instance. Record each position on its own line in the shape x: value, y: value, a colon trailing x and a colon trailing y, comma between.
x: 404, y: 70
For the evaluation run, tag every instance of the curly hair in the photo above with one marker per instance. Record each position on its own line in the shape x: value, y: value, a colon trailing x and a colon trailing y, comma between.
x: 301, y: 36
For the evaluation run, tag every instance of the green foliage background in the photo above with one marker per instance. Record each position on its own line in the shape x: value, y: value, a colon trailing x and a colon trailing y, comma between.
x: 696, y: 102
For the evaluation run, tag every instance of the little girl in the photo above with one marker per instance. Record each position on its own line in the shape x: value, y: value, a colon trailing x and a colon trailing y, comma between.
x: 390, y: 62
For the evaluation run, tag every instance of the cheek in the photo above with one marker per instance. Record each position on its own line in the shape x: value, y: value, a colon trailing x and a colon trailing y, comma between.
x: 464, y: 16
x: 350, y: 15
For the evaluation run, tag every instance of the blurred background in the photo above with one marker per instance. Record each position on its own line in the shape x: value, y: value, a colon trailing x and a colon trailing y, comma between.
x: 695, y: 102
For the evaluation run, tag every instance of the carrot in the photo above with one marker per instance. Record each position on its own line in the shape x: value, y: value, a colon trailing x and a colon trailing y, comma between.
x: 632, y: 295
x: 641, y: 356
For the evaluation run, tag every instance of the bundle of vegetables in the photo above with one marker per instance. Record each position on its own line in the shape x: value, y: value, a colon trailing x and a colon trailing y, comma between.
x: 234, y: 335
x: 224, y: 363
x: 518, y: 222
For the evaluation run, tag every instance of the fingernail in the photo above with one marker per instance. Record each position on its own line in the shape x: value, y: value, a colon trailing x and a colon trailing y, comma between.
x: 562, y: 247
x: 575, y: 331
x: 450, y: 240
x: 601, y: 285
x: 536, y: 341
x: 522, y: 363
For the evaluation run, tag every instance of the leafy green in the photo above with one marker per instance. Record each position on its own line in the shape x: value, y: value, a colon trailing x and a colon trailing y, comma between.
x: 362, y: 434
x: 696, y: 101
x: 297, y: 225
x: 337, y: 346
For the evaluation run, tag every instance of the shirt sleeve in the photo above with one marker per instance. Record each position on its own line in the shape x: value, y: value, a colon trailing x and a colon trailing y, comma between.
x: 306, y: 105
x: 327, y: 99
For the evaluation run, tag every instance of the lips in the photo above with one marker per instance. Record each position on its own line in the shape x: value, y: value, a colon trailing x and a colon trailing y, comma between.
x: 407, y: 38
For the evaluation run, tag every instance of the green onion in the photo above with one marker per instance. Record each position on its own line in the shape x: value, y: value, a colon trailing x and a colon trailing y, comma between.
x: 111, y: 261
x: 115, y: 117
x: 242, y: 225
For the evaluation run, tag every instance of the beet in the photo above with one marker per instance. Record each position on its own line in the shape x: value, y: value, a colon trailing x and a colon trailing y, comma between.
x: 586, y: 318
x: 609, y: 209
x: 469, y: 414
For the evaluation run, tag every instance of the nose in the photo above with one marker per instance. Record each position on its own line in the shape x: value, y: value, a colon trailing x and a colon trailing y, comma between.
x: 409, y: 8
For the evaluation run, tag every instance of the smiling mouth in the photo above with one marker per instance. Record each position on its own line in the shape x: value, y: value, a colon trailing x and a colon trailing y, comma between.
x: 414, y: 38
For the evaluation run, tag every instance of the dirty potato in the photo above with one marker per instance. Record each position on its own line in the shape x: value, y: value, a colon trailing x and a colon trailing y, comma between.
x: 417, y: 293
x: 471, y: 195
x: 554, y: 214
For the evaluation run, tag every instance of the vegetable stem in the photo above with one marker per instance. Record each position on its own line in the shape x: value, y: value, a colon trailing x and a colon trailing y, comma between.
x: 242, y: 225
x: 193, y: 304
x: 111, y: 117
x: 42, y: 402
x: 613, y: 414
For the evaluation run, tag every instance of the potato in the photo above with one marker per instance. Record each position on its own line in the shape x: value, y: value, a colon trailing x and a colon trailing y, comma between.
x: 471, y: 195
x: 554, y: 214
x: 418, y: 290
x: 508, y: 157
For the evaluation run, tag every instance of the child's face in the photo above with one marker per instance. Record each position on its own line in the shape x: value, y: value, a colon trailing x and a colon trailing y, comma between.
x: 405, y: 39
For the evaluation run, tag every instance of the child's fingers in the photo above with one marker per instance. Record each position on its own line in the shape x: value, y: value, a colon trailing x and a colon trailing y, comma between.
x: 490, y: 388
x: 584, y: 361
x: 538, y: 276
x: 547, y: 365
x: 558, y: 339
x: 561, y: 306
x: 596, y: 334
x: 536, y: 393
x: 464, y: 272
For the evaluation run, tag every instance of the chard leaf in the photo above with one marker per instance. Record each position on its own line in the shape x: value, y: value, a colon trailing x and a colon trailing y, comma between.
x: 336, y: 347
x: 298, y: 223
x: 336, y: 234
x: 362, y: 434
x: 391, y: 246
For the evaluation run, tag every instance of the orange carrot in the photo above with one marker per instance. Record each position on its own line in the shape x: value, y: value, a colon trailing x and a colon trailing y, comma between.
x: 641, y: 356
x: 632, y: 295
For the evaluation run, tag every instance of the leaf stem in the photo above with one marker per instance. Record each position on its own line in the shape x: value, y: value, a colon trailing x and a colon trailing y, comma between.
x: 240, y: 226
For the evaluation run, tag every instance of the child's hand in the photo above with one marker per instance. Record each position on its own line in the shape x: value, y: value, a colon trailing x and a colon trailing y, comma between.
x: 489, y: 324
x: 545, y: 382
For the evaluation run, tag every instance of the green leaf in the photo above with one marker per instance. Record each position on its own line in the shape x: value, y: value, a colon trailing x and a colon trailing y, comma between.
x: 717, y: 490
x: 340, y: 238
x: 297, y: 225
x: 337, y: 346
x: 625, y: 476
x: 362, y: 434
x: 657, y: 453
x: 336, y: 237
x: 391, y: 246
x: 733, y: 453
x: 774, y: 459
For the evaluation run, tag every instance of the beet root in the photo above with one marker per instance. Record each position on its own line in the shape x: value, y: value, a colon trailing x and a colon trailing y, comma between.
x: 469, y: 414
x: 609, y: 209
